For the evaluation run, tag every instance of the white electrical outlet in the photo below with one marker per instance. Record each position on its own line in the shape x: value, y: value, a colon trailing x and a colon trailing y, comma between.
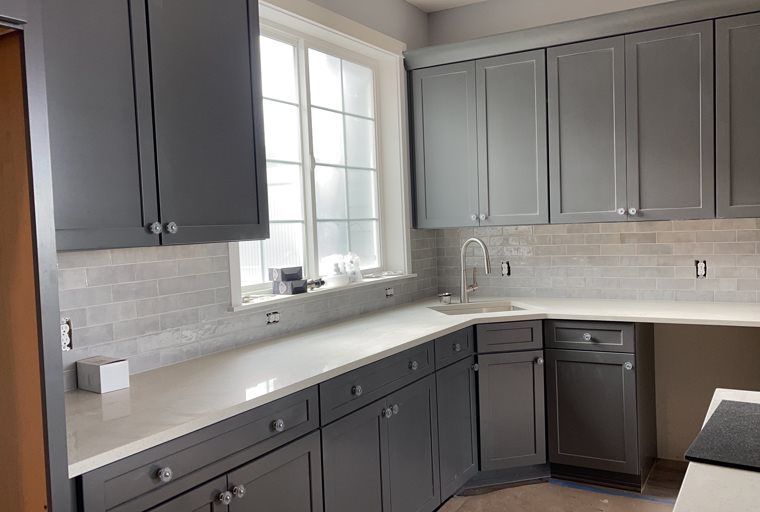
x: 389, y: 292
x: 506, y: 269
x: 701, y: 266
x: 65, y: 334
x: 273, y: 317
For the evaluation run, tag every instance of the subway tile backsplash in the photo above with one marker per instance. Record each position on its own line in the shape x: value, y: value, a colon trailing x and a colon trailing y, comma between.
x: 163, y: 305
x: 631, y: 260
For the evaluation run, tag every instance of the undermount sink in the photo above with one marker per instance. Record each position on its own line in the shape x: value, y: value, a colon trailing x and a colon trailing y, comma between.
x: 476, y: 307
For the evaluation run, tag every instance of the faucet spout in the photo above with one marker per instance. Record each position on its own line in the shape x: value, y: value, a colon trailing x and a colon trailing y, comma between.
x: 464, y: 289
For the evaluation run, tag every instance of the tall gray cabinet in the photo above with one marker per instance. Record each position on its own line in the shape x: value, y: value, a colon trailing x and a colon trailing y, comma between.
x: 737, y: 77
x: 480, y: 142
x: 670, y: 123
x: 156, y: 122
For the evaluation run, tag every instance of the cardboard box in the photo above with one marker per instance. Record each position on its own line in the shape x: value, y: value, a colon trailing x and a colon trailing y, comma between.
x: 102, y: 374
x: 286, y: 274
x: 289, y: 287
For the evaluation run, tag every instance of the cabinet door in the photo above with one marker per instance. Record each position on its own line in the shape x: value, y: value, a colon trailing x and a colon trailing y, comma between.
x: 353, y: 452
x: 457, y: 425
x: 205, y: 498
x: 208, y: 119
x: 101, y: 133
x: 512, y: 161
x: 512, y: 431
x: 445, y: 146
x: 669, y: 116
x: 737, y: 45
x: 412, y: 440
x: 13, y: 10
x: 592, y: 410
x: 587, y: 131
x: 287, y: 480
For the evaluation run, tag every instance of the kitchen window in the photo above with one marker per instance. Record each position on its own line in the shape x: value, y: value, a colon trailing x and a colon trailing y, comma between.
x: 324, y: 165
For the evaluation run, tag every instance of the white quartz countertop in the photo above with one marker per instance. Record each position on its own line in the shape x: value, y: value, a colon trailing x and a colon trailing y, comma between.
x: 710, y: 488
x: 169, y: 402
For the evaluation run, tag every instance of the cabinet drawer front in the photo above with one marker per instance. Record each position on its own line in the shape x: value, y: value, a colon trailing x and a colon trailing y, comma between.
x: 598, y: 336
x: 510, y: 336
x: 133, y: 483
x: 453, y: 347
x: 347, y: 393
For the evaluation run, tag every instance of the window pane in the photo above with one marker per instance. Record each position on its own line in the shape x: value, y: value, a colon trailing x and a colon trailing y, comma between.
x: 327, y: 137
x: 330, y: 185
x: 250, y: 263
x: 360, y: 139
x: 362, y: 194
x: 332, y: 240
x: 285, y: 194
x: 324, y: 80
x: 358, y: 95
x: 284, y: 248
x: 364, y: 242
x: 278, y: 70
x: 282, y: 131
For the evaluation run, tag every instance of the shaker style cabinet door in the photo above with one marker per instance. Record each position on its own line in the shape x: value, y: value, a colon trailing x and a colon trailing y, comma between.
x: 457, y: 425
x: 101, y: 132
x: 591, y: 399
x: 670, y: 123
x: 208, y: 119
x: 737, y: 46
x: 206, y: 498
x: 445, y: 146
x: 512, y: 159
x: 287, y: 480
x: 512, y: 427
x: 587, y: 159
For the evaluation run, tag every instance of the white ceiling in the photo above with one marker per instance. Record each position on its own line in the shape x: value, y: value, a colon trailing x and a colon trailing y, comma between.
x: 439, y: 5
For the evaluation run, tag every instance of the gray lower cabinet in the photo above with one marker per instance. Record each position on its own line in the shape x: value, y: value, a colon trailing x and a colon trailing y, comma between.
x: 587, y: 162
x: 445, y: 146
x: 512, y: 426
x: 737, y: 46
x: 457, y: 425
x: 512, y: 156
x: 384, y: 457
x: 206, y: 498
x: 154, y: 109
x: 670, y: 123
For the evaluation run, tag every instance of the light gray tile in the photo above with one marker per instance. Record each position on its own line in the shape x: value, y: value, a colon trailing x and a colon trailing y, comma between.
x: 167, y: 303
x: 136, y: 327
x: 89, y: 336
x: 716, y: 236
x: 81, y: 297
x: 179, y: 318
x: 638, y: 238
x: 134, y: 291
x: 155, y: 270
x: 193, y: 283
x: 79, y: 259
x: 109, y: 313
x: 113, y: 274
x: 70, y: 279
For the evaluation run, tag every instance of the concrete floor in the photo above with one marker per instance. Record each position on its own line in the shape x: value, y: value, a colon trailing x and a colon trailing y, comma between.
x: 557, y: 496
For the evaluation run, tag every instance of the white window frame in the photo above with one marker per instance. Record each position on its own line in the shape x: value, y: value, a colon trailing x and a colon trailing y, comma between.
x: 391, y: 138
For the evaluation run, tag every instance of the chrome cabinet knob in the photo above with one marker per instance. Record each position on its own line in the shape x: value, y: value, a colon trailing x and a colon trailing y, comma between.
x: 155, y: 228
x: 587, y: 336
x: 278, y: 425
x: 540, y: 361
x: 239, y: 491
x: 628, y: 365
x: 165, y: 474
x: 225, y: 498
x: 621, y: 211
x: 387, y: 412
x: 475, y: 367
x: 357, y: 390
x: 457, y: 347
x: 632, y: 211
x: 483, y: 216
x: 413, y: 365
x: 395, y: 408
x: 172, y: 228
x: 473, y: 217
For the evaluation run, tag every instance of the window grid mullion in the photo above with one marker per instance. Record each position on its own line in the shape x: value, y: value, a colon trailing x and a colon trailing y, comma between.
x: 345, y: 152
x: 310, y: 206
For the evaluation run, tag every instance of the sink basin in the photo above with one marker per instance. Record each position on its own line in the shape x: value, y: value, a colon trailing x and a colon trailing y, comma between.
x: 475, y: 308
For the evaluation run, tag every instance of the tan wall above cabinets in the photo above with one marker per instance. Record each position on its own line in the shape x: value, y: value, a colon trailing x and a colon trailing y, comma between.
x: 633, y: 121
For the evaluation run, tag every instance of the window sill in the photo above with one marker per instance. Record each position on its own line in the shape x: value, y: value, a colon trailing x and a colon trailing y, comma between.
x: 265, y: 301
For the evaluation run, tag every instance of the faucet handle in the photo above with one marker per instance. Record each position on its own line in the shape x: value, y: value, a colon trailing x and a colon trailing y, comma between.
x: 474, y: 286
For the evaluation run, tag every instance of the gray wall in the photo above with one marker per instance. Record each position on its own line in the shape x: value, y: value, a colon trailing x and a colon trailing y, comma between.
x: 162, y: 305
x: 497, y: 16
x: 395, y: 18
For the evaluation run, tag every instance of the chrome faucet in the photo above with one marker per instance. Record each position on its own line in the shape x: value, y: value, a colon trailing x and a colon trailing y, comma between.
x: 464, y: 289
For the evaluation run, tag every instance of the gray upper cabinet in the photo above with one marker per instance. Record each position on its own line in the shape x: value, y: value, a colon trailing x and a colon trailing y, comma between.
x: 737, y: 46
x: 445, y: 146
x: 670, y: 123
x: 512, y: 160
x: 512, y: 418
x: 587, y: 162
x: 101, y: 133
x: 209, y: 129
x: 155, y: 117
x: 13, y: 10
